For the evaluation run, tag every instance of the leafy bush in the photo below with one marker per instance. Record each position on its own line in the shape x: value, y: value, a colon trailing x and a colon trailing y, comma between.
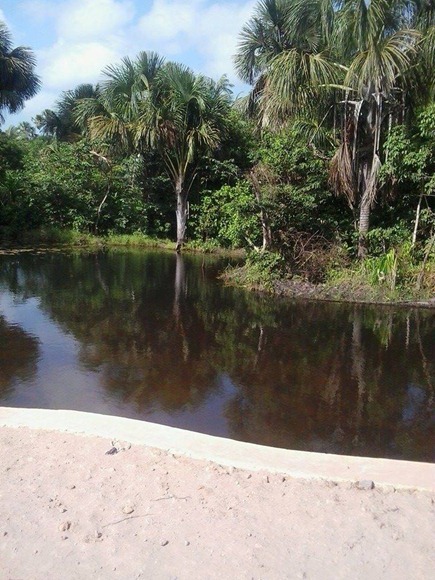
x: 259, y: 272
x: 228, y: 217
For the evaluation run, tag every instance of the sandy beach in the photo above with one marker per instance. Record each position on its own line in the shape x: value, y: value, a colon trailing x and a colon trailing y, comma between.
x: 69, y: 510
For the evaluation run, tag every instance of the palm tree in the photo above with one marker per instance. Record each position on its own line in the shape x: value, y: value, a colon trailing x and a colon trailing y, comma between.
x: 60, y: 122
x: 18, y: 81
x: 283, y: 53
x: 48, y: 122
x: 263, y: 37
x: 24, y: 131
x: 366, y: 54
x: 111, y: 115
x: 424, y: 77
x: 379, y: 49
x: 184, y: 120
x: 147, y: 104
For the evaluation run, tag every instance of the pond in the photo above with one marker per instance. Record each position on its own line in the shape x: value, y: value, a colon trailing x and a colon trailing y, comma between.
x: 155, y: 336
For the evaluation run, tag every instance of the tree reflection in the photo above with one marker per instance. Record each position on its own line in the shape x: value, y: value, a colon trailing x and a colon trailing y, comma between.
x: 160, y: 332
x: 338, y: 391
x: 18, y: 357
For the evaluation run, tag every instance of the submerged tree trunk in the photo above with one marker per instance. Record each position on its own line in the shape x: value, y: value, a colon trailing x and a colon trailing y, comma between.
x: 181, y: 213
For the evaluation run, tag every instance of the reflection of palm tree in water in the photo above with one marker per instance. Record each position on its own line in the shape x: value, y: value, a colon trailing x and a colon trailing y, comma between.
x: 419, y: 402
x: 368, y: 376
x: 358, y: 369
x: 180, y: 292
x: 424, y: 360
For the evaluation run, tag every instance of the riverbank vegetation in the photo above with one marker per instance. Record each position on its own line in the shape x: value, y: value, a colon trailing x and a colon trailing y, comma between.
x: 323, y: 173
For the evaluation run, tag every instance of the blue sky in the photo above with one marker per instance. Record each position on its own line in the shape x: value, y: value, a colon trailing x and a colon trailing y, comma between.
x: 75, y: 39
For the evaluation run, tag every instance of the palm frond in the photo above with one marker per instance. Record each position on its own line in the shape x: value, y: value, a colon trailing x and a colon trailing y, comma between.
x: 341, y: 175
x: 295, y: 83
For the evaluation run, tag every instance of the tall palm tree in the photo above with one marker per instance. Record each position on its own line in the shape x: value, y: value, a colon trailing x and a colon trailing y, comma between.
x: 185, y: 119
x: 18, y: 81
x: 262, y: 38
x: 288, y: 38
x: 379, y: 51
x: 147, y: 104
x: 423, y: 19
x: 366, y: 54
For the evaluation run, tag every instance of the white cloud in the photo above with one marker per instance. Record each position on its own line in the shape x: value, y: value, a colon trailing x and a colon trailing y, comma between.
x: 169, y: 18
x: 66, y: 65
x: 44, y: 100
x: 84, y: 36
x: 91, y: 34
x: 209, y: 30
x: 93, y: 19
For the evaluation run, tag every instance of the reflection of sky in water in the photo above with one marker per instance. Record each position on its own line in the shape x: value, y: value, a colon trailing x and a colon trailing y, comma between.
x: 59, y: 383
x: 208, y: 417
x: 415, y: 401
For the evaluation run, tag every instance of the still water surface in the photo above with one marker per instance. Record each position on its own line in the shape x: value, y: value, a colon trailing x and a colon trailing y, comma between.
x: 155, y: 336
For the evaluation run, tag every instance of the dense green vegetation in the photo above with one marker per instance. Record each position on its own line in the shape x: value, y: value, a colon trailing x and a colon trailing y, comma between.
x: 324, y: 173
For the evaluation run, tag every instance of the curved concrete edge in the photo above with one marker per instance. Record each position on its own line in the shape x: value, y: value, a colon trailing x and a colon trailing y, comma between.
x: 299, y: 464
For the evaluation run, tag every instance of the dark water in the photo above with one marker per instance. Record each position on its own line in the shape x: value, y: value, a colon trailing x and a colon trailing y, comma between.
x: 154, y: 336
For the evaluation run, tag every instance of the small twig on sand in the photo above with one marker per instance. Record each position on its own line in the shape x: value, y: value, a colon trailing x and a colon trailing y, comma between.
x: 171, y: 497
x: 123, y: 520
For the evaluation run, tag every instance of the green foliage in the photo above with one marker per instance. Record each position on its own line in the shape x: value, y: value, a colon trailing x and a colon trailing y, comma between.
x: 259, y: 272
x: 228, y: 216
x: 382, y: 269
x: 64, y: 185
x: 409, y: 172
x: 411, y: 156
x: 381, y: 240
x: 11, y: 154
x: 301, y: 200
x: 18, y: 81
x: 263, y: 268
x: 398, y: 274
x: 411, y: 153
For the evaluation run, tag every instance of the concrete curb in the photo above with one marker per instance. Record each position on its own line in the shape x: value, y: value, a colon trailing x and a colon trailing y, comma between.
x: 301, y: 464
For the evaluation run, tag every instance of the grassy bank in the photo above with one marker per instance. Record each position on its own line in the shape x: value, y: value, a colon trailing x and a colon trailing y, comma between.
x: 397, y: 276
x: 65, y: 238
x: 390, y: 278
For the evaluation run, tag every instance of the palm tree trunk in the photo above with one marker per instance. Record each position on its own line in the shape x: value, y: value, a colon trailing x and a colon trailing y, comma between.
x: 181, y: 213
x: 369, y: 179
x: 364, y: 223
x: 364, y: 208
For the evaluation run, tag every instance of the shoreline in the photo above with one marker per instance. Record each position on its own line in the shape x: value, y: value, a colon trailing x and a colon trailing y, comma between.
x: 306, y: 465
x: 287, y: 289
x: 71, y: 510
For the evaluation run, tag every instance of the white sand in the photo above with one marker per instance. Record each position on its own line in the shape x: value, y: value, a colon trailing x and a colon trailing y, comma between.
x: 69, y: 511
